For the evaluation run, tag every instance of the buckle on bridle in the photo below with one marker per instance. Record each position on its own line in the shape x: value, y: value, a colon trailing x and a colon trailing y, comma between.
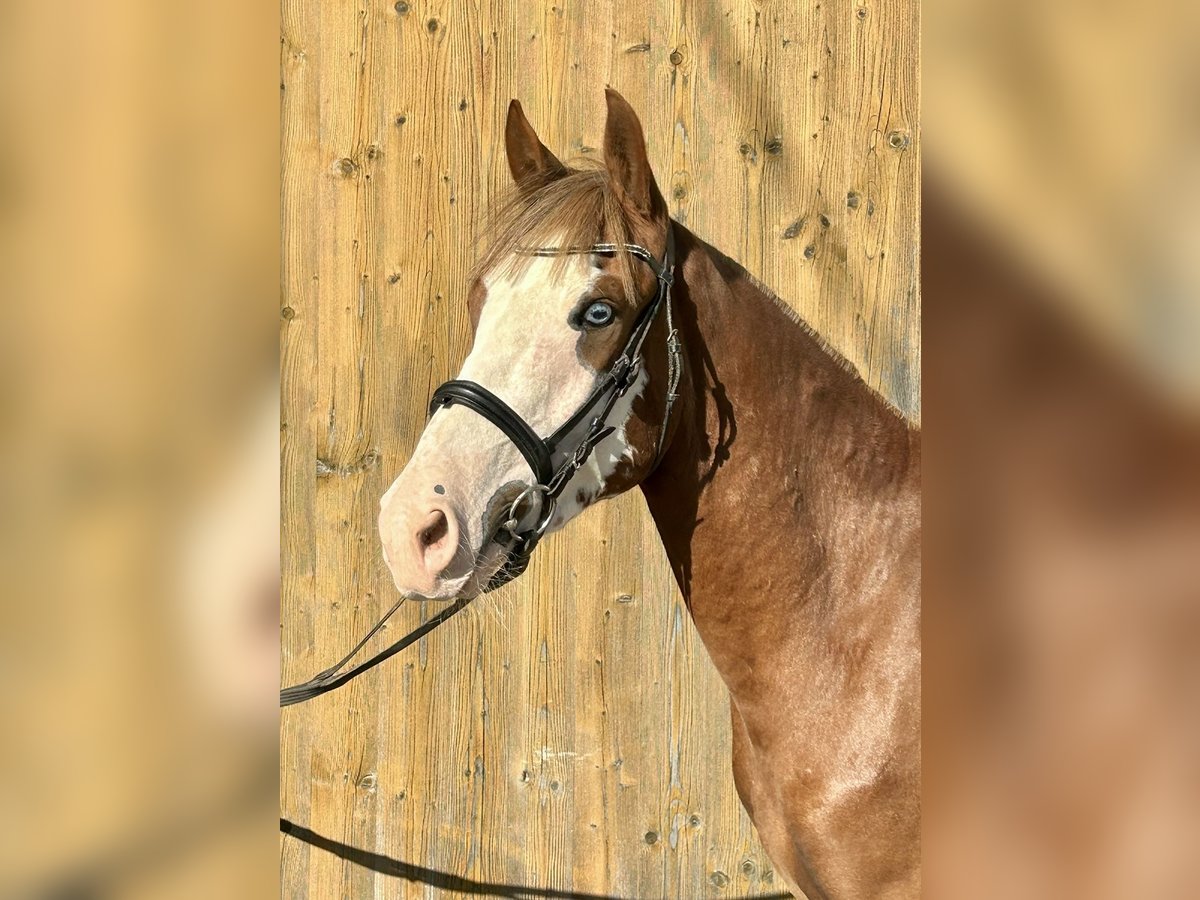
x: 625, y: 371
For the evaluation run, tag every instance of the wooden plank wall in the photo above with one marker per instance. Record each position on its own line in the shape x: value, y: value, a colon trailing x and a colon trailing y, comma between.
x: 569, y: 731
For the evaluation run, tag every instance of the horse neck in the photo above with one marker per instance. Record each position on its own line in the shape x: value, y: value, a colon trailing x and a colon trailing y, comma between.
x: 779, y: 448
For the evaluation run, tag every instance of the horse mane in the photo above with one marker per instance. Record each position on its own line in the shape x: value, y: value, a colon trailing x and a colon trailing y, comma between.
x: 577, y: 209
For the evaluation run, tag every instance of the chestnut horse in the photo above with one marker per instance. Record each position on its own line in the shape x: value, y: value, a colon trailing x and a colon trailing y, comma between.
x: 786, y: 492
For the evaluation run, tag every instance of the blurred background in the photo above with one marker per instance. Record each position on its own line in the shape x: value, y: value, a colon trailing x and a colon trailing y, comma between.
x: 139, y: 217
x: 138, y: 448
x: 1061, y: 299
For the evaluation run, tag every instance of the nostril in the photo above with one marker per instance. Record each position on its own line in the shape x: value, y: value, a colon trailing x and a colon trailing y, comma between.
x: 435, y: 530
x: 433, y: 545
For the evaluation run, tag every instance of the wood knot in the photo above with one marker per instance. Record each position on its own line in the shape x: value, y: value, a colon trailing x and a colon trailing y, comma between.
x: 327, y: 468
x: 898, y: 140
x: 401, y: 7
x: 288, y: 313
x: 775, y: 146
x: 676, y: 58
x: 651, y: 838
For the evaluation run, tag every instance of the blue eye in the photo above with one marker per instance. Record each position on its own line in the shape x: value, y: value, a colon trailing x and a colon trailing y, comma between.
x: 598, y: 315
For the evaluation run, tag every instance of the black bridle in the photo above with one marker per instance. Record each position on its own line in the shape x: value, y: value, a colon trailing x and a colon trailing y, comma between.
x: 553, y: 460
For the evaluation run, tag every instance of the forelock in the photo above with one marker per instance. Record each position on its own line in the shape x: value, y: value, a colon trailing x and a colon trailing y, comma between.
x: 575, y: 211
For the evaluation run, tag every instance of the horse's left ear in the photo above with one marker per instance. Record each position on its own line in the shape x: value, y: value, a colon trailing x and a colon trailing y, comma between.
x: 626, y: 159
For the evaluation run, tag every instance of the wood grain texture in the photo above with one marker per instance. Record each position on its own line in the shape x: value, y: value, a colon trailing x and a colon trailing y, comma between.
x: 569, y: 731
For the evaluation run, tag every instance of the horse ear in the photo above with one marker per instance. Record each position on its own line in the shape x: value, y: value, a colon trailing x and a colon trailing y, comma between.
x: 626, y: 159
x: 528, y: 159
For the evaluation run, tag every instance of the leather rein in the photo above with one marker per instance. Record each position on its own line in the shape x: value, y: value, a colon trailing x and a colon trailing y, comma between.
x: 553, y: 460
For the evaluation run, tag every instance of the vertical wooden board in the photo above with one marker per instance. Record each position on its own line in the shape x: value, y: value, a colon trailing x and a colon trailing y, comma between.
x: 568, y: 731
x: 299, y: 65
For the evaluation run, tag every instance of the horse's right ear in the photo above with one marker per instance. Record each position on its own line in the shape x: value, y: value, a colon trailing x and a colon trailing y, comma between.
x: 529, y: 161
